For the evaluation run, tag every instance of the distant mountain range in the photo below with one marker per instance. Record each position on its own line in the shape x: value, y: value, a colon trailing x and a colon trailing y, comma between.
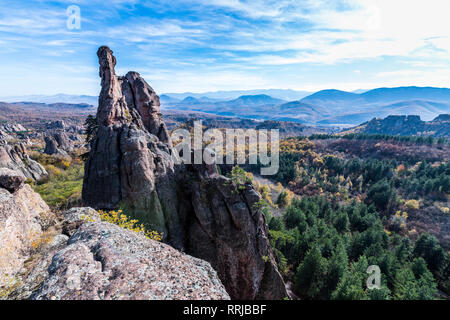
x: 326, y: 107
x: 57, y: 98
x: 283, y: 94
x: 32, y: 112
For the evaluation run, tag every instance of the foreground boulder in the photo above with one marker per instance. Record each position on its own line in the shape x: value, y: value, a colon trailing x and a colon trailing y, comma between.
x: 131, y: 163
x: 104, y: 261
x: 23, y: 217
x: 98, y: 261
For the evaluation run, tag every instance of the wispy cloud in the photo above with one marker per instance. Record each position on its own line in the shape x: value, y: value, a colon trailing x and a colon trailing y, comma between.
x: 195, y: 44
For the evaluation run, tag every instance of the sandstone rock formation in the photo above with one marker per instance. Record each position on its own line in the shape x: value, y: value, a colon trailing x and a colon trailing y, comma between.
x: 225, y: 227
x: 58, y: 143
x: 131, y: 164
x: 8, y: 129
x: 98, y: 261
x: 16, y: 158
x: 103, y: 261
x: 22, y: 214
x: 126, y: 162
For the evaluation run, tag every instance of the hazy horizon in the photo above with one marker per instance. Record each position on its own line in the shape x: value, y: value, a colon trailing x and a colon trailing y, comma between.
x: 357, y: 91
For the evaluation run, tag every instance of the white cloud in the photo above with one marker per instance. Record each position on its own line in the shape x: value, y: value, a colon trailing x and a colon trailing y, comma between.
x: 371, y: 29
x: 230, y: 44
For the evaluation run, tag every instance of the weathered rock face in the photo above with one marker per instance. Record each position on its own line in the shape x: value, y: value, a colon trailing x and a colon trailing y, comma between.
x: 12, y: 127
x: 126, y: 162
x: 22, y: 216
x: 6, y: 130
x: 16, y: 158
x: 11, y: 180
x: 98, y: 261
x: 75, y: 217
x: 131, y: 164
x: 58, y: 142
x: 225, y: 228
x: 103, y: 261
x: 140, y: 96
x: 35, y: 270
x: 51, y: 146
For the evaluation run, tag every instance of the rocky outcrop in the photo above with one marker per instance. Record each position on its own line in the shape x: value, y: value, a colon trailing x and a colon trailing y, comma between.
x: 131, y: 164
x: 58, y: 143
x: 7, y: 130
x: 98, y: 261
x: 12, y: 127
x: 128, y: 163
x: 225, y: 227
x: 35, y: 269
x: 103, y: 261
x: 11, y: 180
x: 51, y: 146
x: 75, y: 217
x: 58, y: 124
x: 16, y: 158
x: 23, y: 215
x: 407, y: 126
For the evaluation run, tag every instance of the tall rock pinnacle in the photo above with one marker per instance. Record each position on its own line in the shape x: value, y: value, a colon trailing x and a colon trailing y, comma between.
x: 131, y: 155
x: 130, y: 165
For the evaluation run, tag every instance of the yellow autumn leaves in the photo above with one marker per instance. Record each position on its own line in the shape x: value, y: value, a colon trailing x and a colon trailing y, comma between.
x: 117, y: 217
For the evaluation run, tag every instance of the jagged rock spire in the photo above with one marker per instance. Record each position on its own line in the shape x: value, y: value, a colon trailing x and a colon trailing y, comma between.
x: 110, y: 103
x: 128, y: 98
x: 130, y: 165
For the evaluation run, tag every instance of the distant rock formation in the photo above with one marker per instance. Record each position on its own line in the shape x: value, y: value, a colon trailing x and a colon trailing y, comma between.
x: 8, y: 129
x: 57, y: 143
x: 58, y: 124
x: 442, y: 118
x: 12, y: 127
x: 16, y: 158
x: 131, y: 164
x: 407, y: 126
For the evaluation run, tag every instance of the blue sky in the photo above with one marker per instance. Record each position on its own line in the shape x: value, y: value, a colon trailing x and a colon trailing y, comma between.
x: 195, y: 45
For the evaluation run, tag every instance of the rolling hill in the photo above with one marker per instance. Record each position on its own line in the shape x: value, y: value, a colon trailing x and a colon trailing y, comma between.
x: 327, y: 107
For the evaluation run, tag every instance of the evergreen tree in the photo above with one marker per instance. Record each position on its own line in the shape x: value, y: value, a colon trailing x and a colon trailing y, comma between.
x: 310, y: 275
